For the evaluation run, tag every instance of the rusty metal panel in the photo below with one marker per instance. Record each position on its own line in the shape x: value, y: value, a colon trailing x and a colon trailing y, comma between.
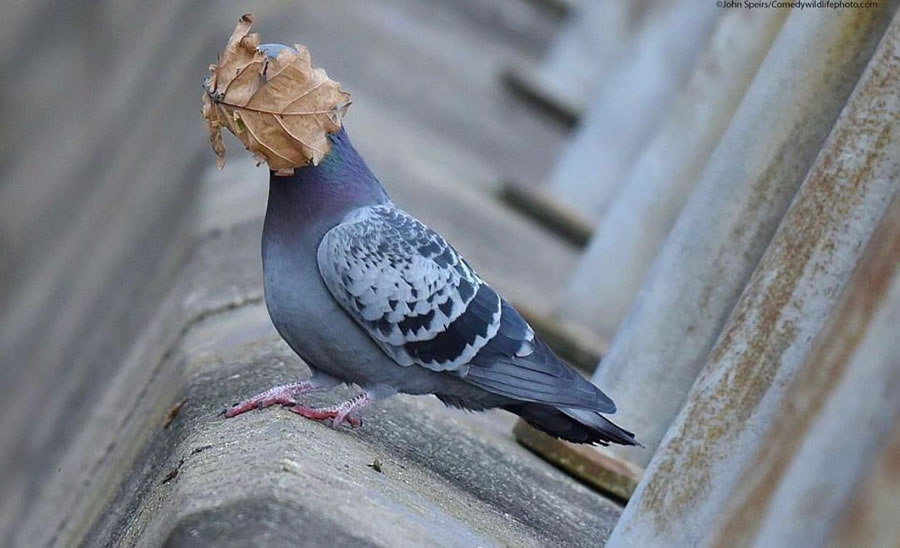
x: 732, y: 215
x: 841, y: 408
x: 770, y: 333
x: 826, y: 396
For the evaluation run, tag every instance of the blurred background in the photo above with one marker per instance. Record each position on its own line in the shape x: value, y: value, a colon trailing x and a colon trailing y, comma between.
x: 701, y: 196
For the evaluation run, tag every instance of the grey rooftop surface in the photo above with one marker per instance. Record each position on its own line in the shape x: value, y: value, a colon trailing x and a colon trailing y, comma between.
x: 447, y: 478
x: 132, y: 282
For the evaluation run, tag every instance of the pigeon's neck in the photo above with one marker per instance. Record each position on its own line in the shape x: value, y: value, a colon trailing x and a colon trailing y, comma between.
x: 319, y: 196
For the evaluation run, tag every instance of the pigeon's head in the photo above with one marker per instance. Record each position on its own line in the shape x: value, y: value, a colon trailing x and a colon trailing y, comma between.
x: 272, y: 50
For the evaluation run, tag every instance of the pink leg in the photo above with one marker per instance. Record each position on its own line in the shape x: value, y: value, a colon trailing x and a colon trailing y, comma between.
x: 340, y: 413
x: 285, y: 394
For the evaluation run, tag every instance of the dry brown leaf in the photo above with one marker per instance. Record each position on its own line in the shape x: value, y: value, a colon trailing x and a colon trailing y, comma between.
x: 282, y: 109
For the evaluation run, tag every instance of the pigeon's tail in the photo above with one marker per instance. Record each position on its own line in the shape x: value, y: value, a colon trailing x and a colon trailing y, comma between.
x: 571, y: 424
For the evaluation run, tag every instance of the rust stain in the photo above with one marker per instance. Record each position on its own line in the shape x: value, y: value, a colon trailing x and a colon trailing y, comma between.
x: 826, y: 366
x: 761, y: 329
x: 173, y: 412
x: 848, y: 324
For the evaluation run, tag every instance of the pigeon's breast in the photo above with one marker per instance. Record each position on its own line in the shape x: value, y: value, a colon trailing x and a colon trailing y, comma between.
x: 303, y: 311
x: 315, y: 326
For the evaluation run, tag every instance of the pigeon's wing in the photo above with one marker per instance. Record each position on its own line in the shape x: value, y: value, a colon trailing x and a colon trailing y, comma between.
x: 424, y: 305
x: 411, y: 291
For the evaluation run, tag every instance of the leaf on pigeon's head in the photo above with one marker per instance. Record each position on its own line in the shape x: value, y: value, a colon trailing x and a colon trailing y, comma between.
x: 273, y: 100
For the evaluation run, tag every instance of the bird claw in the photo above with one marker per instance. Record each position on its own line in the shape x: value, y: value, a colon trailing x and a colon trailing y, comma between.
x: 255, y: 403
x: 283, y: 395
x: 354, y: 422
x: 324, y: 413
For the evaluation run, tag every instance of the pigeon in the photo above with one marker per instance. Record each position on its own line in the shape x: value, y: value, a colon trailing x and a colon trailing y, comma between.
x: 368, y: 295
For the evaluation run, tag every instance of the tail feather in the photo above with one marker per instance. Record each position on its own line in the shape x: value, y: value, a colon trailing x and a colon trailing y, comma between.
x: 540, y: 377
x: 571, y: 424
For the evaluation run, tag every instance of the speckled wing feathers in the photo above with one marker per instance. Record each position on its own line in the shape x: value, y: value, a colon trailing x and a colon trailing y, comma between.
x: 413, y: 293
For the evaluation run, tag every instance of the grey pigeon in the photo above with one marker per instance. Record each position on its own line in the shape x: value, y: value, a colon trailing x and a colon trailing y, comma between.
x: 368, y: 295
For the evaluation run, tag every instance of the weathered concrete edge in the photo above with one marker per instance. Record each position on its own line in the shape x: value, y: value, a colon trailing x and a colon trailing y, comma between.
x: 80, y: 495
x: 199, y: 466
x: 191, y: 305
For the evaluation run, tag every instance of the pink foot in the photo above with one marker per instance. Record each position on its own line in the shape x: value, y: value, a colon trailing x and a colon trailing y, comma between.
x: 339, y: 413
x: 284, y: 395
x: 324, y: 413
